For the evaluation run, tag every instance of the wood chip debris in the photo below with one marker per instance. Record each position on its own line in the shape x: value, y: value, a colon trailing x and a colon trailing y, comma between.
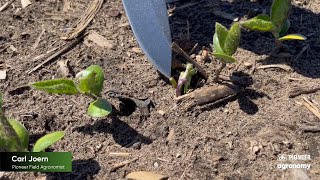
x: 6, y: 5
x: 310, y: 106
x: 36, y: 43
x: 99, y: 40
x: 84, y: 20
x: 280, y: 66
x: 58, y: 52
x: 122, y: 164
x: 3, y: 74
x: 121, y: 154
x: 296, y: 91
x: 145, y: 175
x: 66, y: 5
x: 25, y: 3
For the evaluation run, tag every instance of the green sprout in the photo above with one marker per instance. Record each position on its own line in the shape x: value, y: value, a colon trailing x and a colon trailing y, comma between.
x: 88, y: 82
x: 277, y: 22
x: 225, y: 43
x: 184, y: 80
x: 14, y: 137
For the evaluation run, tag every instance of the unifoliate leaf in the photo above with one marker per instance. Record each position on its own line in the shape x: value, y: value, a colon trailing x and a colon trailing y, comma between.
x: 47, y: 140
x: 91, y: 80
x: 285, y: 28
x: 279, y: 13
x: 9, y: 140
x: 233, y: 39
x: 224, y: 58
x: 259, y: 23
x: 87, y: 82
x: 99, y: 108
x: 21, y: 132
x: 216, y: 44
x: 56, y: 86
x: 222, y: 33
x: 293, y: 37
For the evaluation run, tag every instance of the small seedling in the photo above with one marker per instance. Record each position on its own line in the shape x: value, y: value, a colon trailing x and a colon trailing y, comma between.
x: 88, y: 82
x: 14, y: 137
x: 225, y: 43
x: 184, y: 80
x: 277, y: 22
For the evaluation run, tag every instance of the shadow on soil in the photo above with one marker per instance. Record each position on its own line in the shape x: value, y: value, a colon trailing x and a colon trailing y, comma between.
x: 81, y: 169
x: 121, y: 132
x: 245, y: 97
x: 197, y: 18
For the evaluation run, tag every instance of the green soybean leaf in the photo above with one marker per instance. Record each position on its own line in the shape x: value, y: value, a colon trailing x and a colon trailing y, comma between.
x: 232, y: 40
x: 285, y: 28
x: 91, y: 80
x: 293, y: 37
x: 99, y: 108
x: 224, y: 57
x: 22, y: 133
x: 222, y: 33
x: 47, y: 140
x: 56, y: 86
x: 216, y: 44
x: 279, y: 13
x: 259, y: 23
x: 9, y: 140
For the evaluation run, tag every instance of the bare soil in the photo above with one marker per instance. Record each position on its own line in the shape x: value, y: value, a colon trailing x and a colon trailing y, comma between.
x: 240, y: 138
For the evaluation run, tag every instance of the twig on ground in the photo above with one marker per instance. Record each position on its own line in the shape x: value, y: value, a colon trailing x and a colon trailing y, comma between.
x: 296, y: 91
x: 62, y: 50
x: 310, y: 128
x: 175, y: 47
x: 206, y: 95
x: 84, y: 21
x: 280, y: 66
x: 122, y: 164
x: 194, y: 48
x: 6, y: 5
x: 301, y: 52
x: 310, y: 106
x: 36, y: 43
x: 119, y: 154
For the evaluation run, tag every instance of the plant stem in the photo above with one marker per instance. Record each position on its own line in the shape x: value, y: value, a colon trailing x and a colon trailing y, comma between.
x: 278, y: 44
x: 218, y: 71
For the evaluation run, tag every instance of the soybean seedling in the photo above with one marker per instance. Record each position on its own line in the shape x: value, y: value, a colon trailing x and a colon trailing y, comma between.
x: 225, y: 43
x: 14, y: 137
x: 184, y: 80
x: 88, y: 82
x: 277, y: 22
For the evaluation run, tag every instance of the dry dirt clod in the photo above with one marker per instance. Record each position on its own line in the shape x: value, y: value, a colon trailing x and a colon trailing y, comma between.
x: 162, y: 112
x: 145, y: 175
x: 3, y: 74
x: 25, y: 3
x: 98, y: 40
x: 114, y: 13
x: 63, y: 68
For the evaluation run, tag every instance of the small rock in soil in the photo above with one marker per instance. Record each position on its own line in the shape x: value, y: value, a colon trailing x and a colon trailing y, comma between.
x: 136, y: 145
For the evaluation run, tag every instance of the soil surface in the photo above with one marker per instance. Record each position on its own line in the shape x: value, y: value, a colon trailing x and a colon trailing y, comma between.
x: 239, y: 138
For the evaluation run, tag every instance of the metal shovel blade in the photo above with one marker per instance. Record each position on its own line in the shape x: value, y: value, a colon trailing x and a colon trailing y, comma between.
x: 150, y: 25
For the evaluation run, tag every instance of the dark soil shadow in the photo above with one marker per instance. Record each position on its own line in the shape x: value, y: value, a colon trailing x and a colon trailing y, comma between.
x: 199, y: 16
x: 81, y: 169
x: 121, y: 132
